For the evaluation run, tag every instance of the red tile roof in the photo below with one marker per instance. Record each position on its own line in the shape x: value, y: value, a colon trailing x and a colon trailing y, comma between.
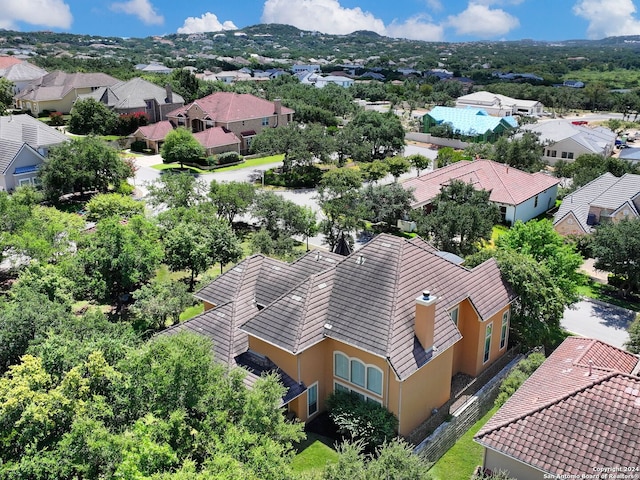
x: 507, y: 185
x: 579, y: 410
x: 216, y: 137
x: 6, y: 61
x: 225, y: 107
x: 155, y: 131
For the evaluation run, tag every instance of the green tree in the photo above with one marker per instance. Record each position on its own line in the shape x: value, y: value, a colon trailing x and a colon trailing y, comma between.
x: 523, y: 152
x: 460, y: 218
x: 419, y: 162
x: 176, y: 190
x: 448, y: 155
x: 81, y: 165
x: 397, y: 166
x: 6, y: 95
x: 589, y: 166
x: 91, y: 117
x: 616, y: 247
x: 382, y: 133
x: 118, y: 257
x: 112, y: 204
x: 180, y: 146
x: 231, y: 199
x: 539, y: 239
x: 159, y: 302
x: 386, y: 203
x: 633, y: 344
x: 374, y: 171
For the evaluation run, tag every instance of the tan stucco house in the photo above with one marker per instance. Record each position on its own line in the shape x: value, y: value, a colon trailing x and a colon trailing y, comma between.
x: 603, y: 200
x: 242, y: 114
x: 57, y: 91
x: 392, y: 322
x: 575, y: 417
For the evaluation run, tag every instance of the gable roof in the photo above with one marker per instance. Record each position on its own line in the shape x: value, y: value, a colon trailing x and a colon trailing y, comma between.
x: 156, y: 131
x: 469, y: 121
x: 593, y: 139
x: 495, y: 99
x: 56, y: 85
x: 216, y: 137
x: 368, y: 298
x: 26, y: 129
x: 607, y: 191
x: 21, y: 72
x: 133, y: 94
x: 226, y: 107
x: 577, y: 411
x: 507, y: 185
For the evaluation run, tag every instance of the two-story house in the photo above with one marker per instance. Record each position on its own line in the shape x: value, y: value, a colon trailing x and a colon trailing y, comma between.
x: 605, y: 199
x: 392, y: 322
x: 242, y: 114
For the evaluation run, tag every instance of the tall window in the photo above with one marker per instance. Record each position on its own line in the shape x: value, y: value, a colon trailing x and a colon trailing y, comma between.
x: 356, y: 372
x: 487, y: 343
x: 504, y: 329
x: 312, y: 399
x: 265, y: 121
x: 535, y: 202
x: 454, y: 315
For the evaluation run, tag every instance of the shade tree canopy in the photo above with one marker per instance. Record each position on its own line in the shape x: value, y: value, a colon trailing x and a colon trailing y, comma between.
x: 180, y: 146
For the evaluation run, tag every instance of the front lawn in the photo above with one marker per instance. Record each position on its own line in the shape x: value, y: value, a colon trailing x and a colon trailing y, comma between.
x: 253, y: 162
x: 607, y: 294
x: 176, y: 167
x: 313, y: 454
x: 462, y: 459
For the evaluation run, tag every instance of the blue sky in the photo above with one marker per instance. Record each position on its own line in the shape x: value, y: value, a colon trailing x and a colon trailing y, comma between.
x: 431, y: 20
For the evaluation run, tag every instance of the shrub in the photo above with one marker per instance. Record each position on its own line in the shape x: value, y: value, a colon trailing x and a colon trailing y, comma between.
x: 138, y: 146
x: 517, y: 377
x: 129, y: 122
x: 357, y: 419
x: 228, y: 157
x: 633, y: 345
x: 306, y: 176
x: 56, y: 119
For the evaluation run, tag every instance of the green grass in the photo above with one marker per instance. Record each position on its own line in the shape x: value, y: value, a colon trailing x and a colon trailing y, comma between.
x: 462, y: 459
x: 253, y: 162
x: 618, y: 78
x: 192, y: 312
x: 176, y: 166
x: 607, y: 294
x: 313, y: 454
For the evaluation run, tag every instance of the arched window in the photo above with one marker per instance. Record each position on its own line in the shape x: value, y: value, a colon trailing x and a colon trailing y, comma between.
x: 358, y: 373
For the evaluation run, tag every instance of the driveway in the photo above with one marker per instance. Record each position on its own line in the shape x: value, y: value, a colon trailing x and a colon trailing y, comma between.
x: 590, y: 318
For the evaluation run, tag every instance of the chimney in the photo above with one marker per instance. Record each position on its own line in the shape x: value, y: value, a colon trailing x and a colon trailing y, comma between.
x: 277, y: 106
x: 167, y: 88
x: 425, y: 319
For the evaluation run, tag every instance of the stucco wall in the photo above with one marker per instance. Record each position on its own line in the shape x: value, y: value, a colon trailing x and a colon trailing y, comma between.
x: 26, y: 157
x: 496, y: 461
x: 528, y: 209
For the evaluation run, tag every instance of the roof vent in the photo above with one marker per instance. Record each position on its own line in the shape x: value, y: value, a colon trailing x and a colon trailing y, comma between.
x: 318, y: 255
x: 360, y: 260
x: 328, y: 326
x: 426, y: 294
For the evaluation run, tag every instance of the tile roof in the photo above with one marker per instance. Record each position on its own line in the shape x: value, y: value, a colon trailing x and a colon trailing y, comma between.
x: 607, y: 191
x: 7, y: 60
x: 507, y: 185
x: 368, y: 298
x: 216, y: 137
x: 580, y: 409
x: 594, y: 139
x: 21, y: 72
x: 56, y: 85
x: 226, y: 107
x: 133, y: 94
x: 155, y: 131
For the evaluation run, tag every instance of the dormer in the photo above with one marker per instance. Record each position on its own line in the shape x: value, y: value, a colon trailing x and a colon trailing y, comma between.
x: 425, y: 319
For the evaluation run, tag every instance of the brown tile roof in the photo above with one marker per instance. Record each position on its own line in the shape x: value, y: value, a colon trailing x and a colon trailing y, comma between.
x: 226, y: 107
x: 368, y: 298
x: 580, y: 409
x: 216, y: 137
x: 507, y: 185
x: 155, y: 131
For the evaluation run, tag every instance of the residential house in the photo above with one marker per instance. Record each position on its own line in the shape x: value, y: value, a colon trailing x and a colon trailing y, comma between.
x: 341, y: 81
x: 363, y: 323
x: 631, y: 155
x: 295, y: 69
x: 218, y: 140
x: 24, y: 145
x: 575, y: 417
x: 21, y: 74
x: 500, y: 105
x: 154, y: 68
x: 519, y: 195
x: 474, y: 125
x: 138, y: 96
x: 605, y: 199
x: 153, y: 135
x: 567, y: 141
x: 57, y: 91
x: 243, y: 114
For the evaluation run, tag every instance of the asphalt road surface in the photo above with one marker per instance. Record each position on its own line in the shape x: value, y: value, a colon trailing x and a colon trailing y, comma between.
x: 599, y: 320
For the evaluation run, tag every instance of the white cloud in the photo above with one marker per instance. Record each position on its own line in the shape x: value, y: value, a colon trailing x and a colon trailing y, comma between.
x: 326, y: 16
x: 208, y: 22
x: 608, y: 17
x: 479, y: 20
x: 48, y: 13
x: 416, y: 28
x: 435, y: 5
x: 143, y: 9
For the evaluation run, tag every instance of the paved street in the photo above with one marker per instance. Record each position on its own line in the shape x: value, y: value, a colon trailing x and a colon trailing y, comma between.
x: 303, y: 196
x: 599, y: 320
